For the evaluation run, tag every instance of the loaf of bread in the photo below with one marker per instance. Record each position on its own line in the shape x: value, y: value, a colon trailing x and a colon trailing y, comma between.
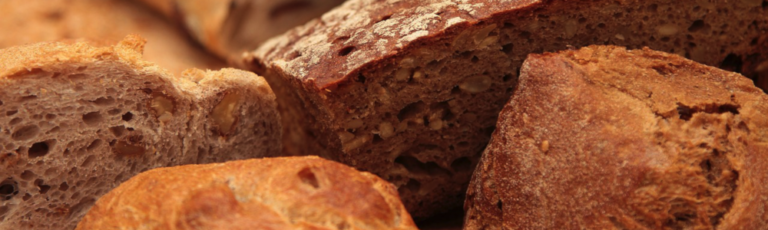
x: 231, y: 27
x: 270, y: 193
x: 609, y: 138
x: 105, y: 21
x: 410, y: 90
x: 76, y: 120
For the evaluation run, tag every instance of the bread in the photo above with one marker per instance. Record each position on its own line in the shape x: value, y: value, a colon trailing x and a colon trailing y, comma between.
x: 76, y: 120
x: 230, y: 27
x: 104, y: 21
x: 270, y: 193
x: 609, y: 138
x: 410, y: 89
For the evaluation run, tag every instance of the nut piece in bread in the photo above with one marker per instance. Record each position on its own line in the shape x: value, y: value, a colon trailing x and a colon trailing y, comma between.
x: 231, y: 27
x: 439, y: 72
x: 105, y: 21
x: 635, y: 139
x: 269, y: 193
x: 76, y: 120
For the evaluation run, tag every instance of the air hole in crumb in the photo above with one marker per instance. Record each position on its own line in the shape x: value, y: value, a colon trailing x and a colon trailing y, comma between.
x: 114, y: 111
x: 341, y: 39
x: 25, y: 133
x: 499, y: 205
x: 147, y: 90
x: 88, y: 161
x: 41, y: 186
x: 697, y: 26
x: 507, y: 48
x: 308, y: 177
x: 15, y: 121
x: 411, y: 111
x: 104, y: 101
x: 92, y: 118
x: 461, y: 164
x: 27, y: 98
x: 27, y: 175
x: 81, y: 207
x: 11, y: 113
x: 1, y: 102
x: 685, y: 112
x: 8, y: 189
x: 95, y: 144
x: 128, y: 116
x: 38, y: 149
x: 117, y: 131
x: 50, y: 116
x: 346, y: 51
x: 386, y: 17
x: 412, y: 186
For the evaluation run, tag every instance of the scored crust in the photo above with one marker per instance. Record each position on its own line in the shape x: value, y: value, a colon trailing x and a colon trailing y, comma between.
x: 269, y: 193
x: 410, y: 89
x: 606, y: 138
x: 76, y: 120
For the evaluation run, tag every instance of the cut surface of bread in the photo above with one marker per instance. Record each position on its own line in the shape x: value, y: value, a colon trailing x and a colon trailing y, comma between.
x: 76, y: 120
x: 106, y: 21
x: 231, y: 27
x: 269, y: 193
x: 410, y: 90
x: 609, y: 138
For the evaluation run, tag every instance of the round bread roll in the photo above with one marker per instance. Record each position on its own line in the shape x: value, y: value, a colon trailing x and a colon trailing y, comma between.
x: 269, y: 193
x: 606, y: 138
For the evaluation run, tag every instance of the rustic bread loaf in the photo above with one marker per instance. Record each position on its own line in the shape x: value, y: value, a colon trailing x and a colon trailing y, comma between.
x: 606, y: 138
x: 107, y: 21
x: 410, y: 89
x: 77, y: 120
x: 270, y: 193
x: 231, y: 27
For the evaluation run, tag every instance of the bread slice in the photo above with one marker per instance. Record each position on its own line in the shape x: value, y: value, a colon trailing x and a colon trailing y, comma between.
x: 609, y: 138
x: 270, y: 193
x: 76, y: 120
x: 229, y: 28
x: 410, y: 90
x: 107, y: 21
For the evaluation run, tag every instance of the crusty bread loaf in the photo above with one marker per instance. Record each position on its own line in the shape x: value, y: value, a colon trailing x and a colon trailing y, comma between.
x: 76, y: 120
x: 231, y: 27
x: 410, y: 89
x: 107, y: 21
x: 270, y: 193
x: 606, y: 138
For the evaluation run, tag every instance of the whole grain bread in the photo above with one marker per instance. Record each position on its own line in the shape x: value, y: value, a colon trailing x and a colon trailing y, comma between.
x: 231, y: 27
x: 609, y: 138
x: 76, y: 120
x: 270, y: 193
x: 410, y: 89
x: 104, y: 21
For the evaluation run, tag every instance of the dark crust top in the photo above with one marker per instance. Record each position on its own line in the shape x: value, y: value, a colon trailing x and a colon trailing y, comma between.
x: 362, y: 32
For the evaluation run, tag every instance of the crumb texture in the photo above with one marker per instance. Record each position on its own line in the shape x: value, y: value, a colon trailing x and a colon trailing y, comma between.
x: 81, y: 119
x: 624, y: 139
x: 270, y: 193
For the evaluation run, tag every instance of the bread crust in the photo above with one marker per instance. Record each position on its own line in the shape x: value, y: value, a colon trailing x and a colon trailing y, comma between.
x: 609, y: 138
x: 269, y: 193
x: 410, y: 89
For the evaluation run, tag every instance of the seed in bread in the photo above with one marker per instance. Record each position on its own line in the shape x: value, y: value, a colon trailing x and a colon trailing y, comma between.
x: 439, y: 71
x: 638, y: 139
x: 77, y: 120
x: 269, y: 193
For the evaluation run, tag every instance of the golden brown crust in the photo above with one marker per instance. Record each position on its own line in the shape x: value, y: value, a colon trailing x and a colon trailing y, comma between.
x: 270, y: 193
x: 605, y: 138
